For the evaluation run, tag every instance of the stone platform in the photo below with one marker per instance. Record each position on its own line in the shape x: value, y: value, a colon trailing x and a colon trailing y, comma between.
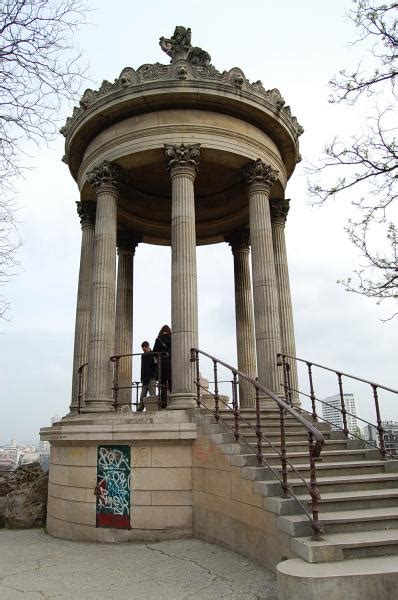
x: 161, y: 475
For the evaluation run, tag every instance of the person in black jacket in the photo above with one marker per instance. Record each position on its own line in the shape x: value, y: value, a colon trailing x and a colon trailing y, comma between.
x: 163, y: 345
x: 148, y: 374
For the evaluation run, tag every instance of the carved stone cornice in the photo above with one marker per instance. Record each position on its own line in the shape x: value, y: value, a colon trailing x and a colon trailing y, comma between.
x: 258, y: 172
x: 127, y: 241
x: 182, y: 158
x: 279, y: 210
x: 239, y: 240
x: 106, y: 174
x: 86, y: 211
x: 188, y: 64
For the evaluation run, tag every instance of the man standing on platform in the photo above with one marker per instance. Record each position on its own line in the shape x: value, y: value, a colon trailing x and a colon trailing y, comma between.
x: 148, y: 374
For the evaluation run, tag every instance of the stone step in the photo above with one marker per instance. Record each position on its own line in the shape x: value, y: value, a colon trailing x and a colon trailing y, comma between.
x: 342, y: 484
x: 362, y: 519
x: 374, y: 498
x: 343, y: 468
x: 342, y: 546
x: 301, y: 458
x: 355, y: 579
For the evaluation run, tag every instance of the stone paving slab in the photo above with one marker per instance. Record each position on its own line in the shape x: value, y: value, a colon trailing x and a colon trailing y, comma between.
x: 35, y: 566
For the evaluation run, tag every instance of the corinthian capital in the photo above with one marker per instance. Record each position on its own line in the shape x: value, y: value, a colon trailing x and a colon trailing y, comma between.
x: 182, y: 157
x: 239, y: 240
x: 105, y: 174
x: 259, y: 172
x: 279, y: 210
x: 86, y: 211
x: 127, y: 241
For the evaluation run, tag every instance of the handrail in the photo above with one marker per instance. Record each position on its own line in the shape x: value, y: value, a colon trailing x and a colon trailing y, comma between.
x: 303, y: 360
x: 282, y: 361
x: 315, y: 437
x: 315, y: 432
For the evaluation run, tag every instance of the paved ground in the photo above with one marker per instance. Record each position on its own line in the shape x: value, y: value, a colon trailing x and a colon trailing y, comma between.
x: 35, y: 566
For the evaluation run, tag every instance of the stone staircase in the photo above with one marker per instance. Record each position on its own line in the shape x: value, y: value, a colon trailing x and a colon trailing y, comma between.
x: 358, y: 506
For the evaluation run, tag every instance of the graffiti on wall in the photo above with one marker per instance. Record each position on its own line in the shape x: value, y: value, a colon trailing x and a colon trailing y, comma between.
x: 113, y: 487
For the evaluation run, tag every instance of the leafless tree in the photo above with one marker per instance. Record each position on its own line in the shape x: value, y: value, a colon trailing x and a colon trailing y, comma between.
x: 366, y: 166
x: 39, y: 71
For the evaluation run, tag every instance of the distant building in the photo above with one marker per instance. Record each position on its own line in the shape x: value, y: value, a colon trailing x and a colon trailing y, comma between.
x: 390, y: 436
x: 331, y: 412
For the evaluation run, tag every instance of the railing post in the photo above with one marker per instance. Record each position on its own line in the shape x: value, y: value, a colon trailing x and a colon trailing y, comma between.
x: 259, y: 455
x: 159, y: 370
x: 314, y: 492
x: 195, y: 358
x: 235, y: 405
x: 380, y: 429
x: 312, y: 393
x: 115, y: 383
x: 136, y: 385
x: 80, y: 387
x: 343, y: 408
x: 216, y: 396
x: 285, y: 488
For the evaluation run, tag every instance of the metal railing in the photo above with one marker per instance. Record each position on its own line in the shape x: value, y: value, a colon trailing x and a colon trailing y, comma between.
x: 115, y: 360
x: 134, y: 385
x: 315, y: 437
x: 284, y: 361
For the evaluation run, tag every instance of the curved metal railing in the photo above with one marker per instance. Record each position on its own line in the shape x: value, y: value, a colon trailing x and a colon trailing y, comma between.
x: 315, y: 437
x: 283, y: 361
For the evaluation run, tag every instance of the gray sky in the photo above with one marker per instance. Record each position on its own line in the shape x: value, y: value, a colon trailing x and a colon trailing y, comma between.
x: 294, y: 46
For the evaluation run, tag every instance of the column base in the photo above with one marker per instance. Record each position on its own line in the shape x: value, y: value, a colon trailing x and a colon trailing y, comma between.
x: 97, y: 405
x: 182, y: 400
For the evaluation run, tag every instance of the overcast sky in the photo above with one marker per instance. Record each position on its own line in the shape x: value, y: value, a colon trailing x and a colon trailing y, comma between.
x: 294, y: 46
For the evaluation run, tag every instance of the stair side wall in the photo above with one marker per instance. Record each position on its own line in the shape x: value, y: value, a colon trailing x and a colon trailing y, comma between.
x: 226, y: 510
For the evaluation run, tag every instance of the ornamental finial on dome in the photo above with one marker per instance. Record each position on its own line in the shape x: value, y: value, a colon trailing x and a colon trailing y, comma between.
x: 179, y: 47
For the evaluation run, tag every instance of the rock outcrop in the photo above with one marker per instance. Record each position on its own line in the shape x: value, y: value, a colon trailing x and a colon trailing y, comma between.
x: 23, y: 497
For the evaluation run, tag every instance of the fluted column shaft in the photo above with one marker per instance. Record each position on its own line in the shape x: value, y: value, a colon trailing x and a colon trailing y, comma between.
x: 86, y: 211
x: 279, y: 211
x: 124, y: 317
x: 182, y: 162
x: 102, y: 330
x: 260, y: 178
x: 244, y: 318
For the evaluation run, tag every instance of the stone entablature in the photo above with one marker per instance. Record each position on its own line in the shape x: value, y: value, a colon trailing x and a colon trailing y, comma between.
x: 183, y: 70
x: 186, y: 83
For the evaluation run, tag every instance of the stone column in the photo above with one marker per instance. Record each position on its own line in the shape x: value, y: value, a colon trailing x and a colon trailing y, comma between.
x: 279, y: 210
x: 105, y: 180
x: 126, y: 245
x: 86, y: 212
x: 260, y: 178
x: 183, y: 163
x: 245, y: 336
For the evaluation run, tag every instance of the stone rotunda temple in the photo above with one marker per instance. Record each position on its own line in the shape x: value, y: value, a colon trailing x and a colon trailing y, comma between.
x: 183, y: 155
x: 175, y: 154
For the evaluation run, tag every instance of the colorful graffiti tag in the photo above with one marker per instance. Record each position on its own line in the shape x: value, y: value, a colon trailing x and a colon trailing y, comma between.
x: 113, y: 487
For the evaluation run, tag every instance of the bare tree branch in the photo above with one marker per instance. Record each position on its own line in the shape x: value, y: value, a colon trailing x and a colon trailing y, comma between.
x: 39, y: 70
x: 366, y: 166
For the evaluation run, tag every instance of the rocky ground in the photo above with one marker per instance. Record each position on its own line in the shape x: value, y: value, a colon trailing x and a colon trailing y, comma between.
x: 23, y: 497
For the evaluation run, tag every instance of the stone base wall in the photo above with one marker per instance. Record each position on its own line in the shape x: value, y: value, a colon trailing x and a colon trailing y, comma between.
x: 161, y: 479
x: 227, y: 511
